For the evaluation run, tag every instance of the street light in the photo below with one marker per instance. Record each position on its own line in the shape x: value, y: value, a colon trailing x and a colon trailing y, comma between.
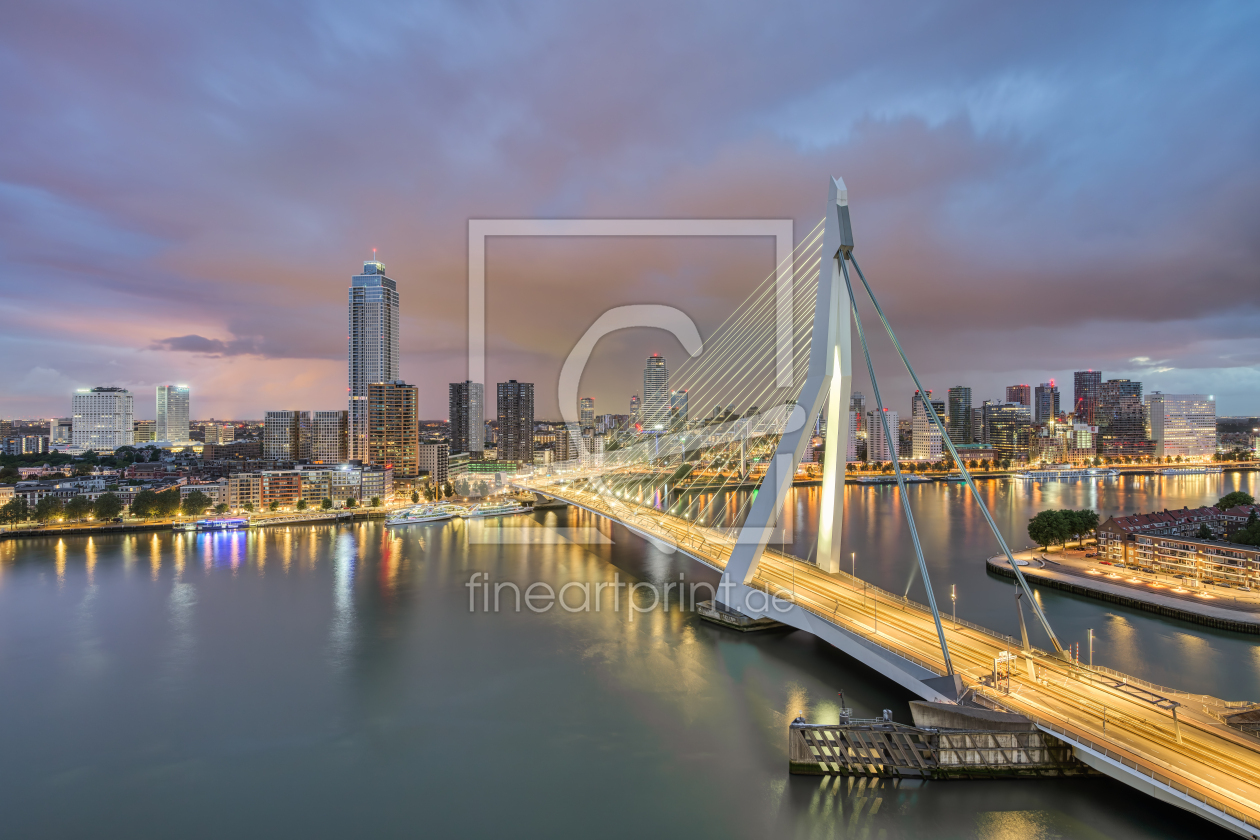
x: 853, y: 559
x: 953, y: 596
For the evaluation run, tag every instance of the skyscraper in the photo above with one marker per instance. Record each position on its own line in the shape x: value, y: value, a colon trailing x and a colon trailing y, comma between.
x: 1019, y: 394
x: 172, y: 413
x: 393, y: 427
x: 1046, y: 402
x: 516, y: 421
x: 1087, y: 388
x: 926, y: 437
x: 1007, y: 428
x: 330, y: 436
x: 287, y: 435
x: 468, y: 425
x: 857, y: 405
x: 677, y: 408
x: 103, y: 419
x: 1182, y: 424
x: 1121, y: 420
x: 959, y: 427
x: 655, y: 394
x: 587, y: 412
x: 878, y: 446
x: 373, y: 353
x: 634, y: 409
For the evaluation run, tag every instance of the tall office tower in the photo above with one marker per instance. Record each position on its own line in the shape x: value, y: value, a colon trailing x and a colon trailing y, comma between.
x: 1007, y: 427
x: 977, y: 424
x: 1087, y: 388
x: 172, y: 413
x: 634, y: 409
x: 960, y: 420
x: 330, y: 437
x: 678, y: 408
x: 926, y: 437
x: 1182, y: 424
x: 516, y: 421
x: 1019, y: 394
x: 103, y: 419
x: 394, y: 427
x: 373, y: 345
x: 1121, y: 420
x: 857, y: 407
x: 879, y: 448
x: 145, y: 431
x: 1046, y: 402
x: 287, y: 435
x: 468, y: 425
x: 434, y: 462
x: 852, y: 449
x: 655, y: 394
x: 587, y: 412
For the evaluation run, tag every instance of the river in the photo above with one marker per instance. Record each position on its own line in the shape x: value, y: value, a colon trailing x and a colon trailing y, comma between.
x: 331, y: 681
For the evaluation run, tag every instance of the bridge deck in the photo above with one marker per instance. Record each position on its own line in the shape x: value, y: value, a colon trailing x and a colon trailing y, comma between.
x: 1122, y: 719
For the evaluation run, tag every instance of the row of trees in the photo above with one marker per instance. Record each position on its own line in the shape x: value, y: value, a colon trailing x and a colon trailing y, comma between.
x: 1056, y: 527
x: 938, y: 466
x: 48, y: 509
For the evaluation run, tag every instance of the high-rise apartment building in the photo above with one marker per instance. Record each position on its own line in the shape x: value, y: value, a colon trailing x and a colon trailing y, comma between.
x: 1086, y: 391
x: 373, y: 354
x: 330, y: 437
x: 634, y: 409
x: 435, y: 462
x: 678, y: 408
x: 516, y: 421
x: 587, y: 412
x: 172, y: 413
x: 926, y: 436
x: 851, y: 451
x: 1046, y: 402
x: 879, y: 446
x: 103, y: 419
x: 393, y: 427
x: 468, y: 425
x: 857, y: 407
x: 1182, y: 424
x: 1007, y: 428
x: 1019, y: 394
x: 655, y: 394
x: 144, y: 431
x: 287, y: 435
x: 960, y: 423
x: 1121, y: 420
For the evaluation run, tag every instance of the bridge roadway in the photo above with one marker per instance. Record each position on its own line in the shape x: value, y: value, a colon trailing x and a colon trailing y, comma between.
x: 1120, y: 725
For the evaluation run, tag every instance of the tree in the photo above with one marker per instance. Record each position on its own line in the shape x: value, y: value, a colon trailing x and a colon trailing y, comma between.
x: 1205, y: 533
x: 1006, y: 463
x: 14, y: 511
x: 984, y: 464
x: 376, y: 501
x: 48, y: 509
x: 301, y: 505
x: 249, y: 507
x: 168, y: 502
x: 274, y: 506
x: 195, y: 503
x: 221, y: 508
x: 78, y: 508
x: 1048, y: 528
x: 1235, y: 499
x: 352, y: 502
x: 9, y: 475
x: 326, y: 504
x: 1087, y: 520
x: 108, y: 507
x: 144, y: 504
x: 415, y: 497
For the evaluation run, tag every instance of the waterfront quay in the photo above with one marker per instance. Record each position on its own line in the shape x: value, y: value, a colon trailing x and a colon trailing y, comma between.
x: 1222, y: 607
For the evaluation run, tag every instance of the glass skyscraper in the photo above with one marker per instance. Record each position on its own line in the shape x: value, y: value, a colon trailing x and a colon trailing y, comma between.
x: 1087, y: 388
x: 467, y: 415
x: 373, y: 353
x: 959, y: 426
x: 655, y: 394
x: 1182, y: 424
x: 172, y: 413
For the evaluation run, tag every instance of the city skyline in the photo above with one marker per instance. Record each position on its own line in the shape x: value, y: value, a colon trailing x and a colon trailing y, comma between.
x: 195, y: 231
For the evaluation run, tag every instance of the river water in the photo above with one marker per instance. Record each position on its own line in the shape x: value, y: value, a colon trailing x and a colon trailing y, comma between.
x: 332, y: 681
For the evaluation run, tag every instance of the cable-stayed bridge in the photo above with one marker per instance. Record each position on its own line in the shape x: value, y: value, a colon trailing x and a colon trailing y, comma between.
x: 715, y: 488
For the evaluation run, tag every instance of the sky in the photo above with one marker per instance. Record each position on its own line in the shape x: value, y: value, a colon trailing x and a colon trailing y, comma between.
x: 186, y: 189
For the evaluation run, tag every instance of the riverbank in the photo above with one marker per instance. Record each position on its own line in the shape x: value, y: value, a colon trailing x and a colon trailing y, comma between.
x: 1070, y: 570
x: 256, y: 521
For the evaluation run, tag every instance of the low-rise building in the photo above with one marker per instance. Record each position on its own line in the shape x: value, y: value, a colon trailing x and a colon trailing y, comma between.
x: 1188, y: 558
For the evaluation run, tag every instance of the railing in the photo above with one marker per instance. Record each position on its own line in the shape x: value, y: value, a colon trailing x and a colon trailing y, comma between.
x: 1122, y: 759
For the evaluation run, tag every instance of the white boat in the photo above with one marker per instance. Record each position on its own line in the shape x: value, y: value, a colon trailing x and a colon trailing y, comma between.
x: 213, y: 525
x: 485, y: 509
x: 425, y: 513
x: 1055, y: 472
x: 1203, y: 469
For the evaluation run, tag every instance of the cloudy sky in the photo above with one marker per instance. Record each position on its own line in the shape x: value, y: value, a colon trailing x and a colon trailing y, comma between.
x: 185, y: 189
